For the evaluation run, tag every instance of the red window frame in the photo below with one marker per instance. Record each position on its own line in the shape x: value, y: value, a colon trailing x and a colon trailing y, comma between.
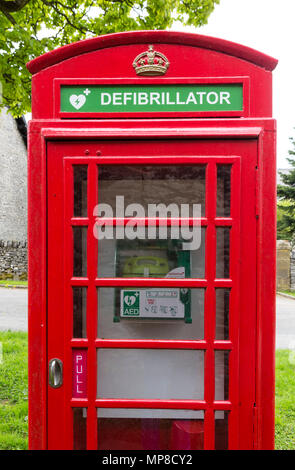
x: 209, y: 344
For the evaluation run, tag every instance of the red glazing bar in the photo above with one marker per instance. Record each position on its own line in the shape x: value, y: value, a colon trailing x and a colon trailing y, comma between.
x: 149, y: 282
x: 150, y: 344
x: 211, y: 189
x: 68, y: 299
x: 223, y: 222
x: 91, y: 309
x: 156, y: 404
x: 79, y: 221
x: 153, y: 344
x: 233, y: 420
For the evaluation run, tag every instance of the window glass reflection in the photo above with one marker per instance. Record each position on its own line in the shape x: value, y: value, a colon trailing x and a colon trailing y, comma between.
x: 79, y: 312
x: 150, y: 313
x: 222, y: 252
x: 222, y: 314
x: 163, y: 374
x: 80, y: 251
x: 145, y: 184
x: 149, y: 429
x: 223, y: 202
x: 221, y: 375
x: 160, y: 253
x: 79, y: 428
x: 221, y: 430
x: 80, y: 190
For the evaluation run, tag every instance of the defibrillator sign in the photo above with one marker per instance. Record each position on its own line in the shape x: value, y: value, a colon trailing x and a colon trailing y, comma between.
x: 152, y: 303
x: 151, y: 98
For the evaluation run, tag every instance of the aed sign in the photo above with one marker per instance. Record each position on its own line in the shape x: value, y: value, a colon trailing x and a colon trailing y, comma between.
x: 151, y: 303
x: 151, y: 98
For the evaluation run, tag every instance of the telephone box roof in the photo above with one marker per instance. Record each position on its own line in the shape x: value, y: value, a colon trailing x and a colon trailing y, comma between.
x: 168, y: 37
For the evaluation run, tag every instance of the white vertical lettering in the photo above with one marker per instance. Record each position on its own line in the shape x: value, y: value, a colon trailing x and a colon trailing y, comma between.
x: 154, y: 96
x: 105, y: 99
x: 225, y: 96
x: 127, y: 97
x: 215, y: 97
x: 143, y: 98
x: 117, y: 99
x: 201, y: 94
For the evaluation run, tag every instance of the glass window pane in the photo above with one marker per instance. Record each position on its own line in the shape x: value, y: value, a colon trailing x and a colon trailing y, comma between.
x: 150, y: 374
x: 222, y: 252
x: 222, y: 314
x: 155, y: 184
x: 80, y: 190
x: 79, y: 431
x: 223, y: 190
x: 160, y: 252
x: 221, y: 375
x: 79, y: 312
x: 80, y: 251
x: 221, y: 430
x: 150, y: 313
x: 149, y: 429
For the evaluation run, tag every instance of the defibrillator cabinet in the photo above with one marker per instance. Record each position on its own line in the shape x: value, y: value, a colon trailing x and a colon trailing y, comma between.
x: 152, y: 245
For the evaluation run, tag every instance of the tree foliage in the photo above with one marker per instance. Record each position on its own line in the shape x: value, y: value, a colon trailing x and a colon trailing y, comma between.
x: 286, y: 204
x: 29, y: 28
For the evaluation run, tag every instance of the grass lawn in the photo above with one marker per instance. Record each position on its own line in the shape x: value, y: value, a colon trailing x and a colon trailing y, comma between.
x: 285, y: 400
x: 14, y: 402
x: 10, y: 282
x: 289, y: 292
x: 13, y: 391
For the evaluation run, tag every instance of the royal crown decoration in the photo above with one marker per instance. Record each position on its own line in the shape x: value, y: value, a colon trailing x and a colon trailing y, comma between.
x: 151, y: 63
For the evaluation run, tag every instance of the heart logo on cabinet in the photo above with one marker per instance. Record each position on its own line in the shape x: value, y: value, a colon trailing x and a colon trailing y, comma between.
x: 130, y: 300
x: 77, y: 101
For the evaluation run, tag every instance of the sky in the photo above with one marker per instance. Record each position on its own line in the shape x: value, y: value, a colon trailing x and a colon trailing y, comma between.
x: 267, y: 26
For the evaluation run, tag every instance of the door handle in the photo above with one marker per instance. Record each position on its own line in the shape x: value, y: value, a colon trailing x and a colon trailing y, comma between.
x: 55, y: 373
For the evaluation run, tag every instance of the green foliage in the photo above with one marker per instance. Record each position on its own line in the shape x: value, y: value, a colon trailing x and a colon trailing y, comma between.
x: 29, y: 28
x: 283, y: 229
x: 286, y: 205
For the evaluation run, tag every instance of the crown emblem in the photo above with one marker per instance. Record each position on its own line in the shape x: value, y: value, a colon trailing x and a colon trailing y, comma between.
x: 151, y: 63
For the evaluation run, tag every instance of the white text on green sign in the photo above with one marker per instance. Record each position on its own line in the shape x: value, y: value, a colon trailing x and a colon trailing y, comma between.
x: 151, y: 98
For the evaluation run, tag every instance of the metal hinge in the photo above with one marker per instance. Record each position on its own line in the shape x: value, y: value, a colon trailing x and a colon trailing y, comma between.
x: 255, y: 427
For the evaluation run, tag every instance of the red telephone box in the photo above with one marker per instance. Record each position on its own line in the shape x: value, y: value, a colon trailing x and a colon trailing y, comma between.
x: 141, y: 337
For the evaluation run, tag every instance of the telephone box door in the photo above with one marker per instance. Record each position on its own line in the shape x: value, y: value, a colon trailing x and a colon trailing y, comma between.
x: 151, y: 293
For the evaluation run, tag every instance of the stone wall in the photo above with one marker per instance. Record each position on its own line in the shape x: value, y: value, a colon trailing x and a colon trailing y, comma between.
x: 13, y: 260
x: 283, y: 264
x: 13, y: 199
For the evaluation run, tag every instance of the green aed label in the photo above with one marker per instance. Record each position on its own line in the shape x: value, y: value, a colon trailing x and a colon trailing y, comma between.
x: 151, y: 98
x: 131, y: 303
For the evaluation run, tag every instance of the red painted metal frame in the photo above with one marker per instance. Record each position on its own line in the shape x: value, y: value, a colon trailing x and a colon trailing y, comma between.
x: 264, y: 131
x: 147, y: 37
x: 194, y: 58
x: 210, y: 333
